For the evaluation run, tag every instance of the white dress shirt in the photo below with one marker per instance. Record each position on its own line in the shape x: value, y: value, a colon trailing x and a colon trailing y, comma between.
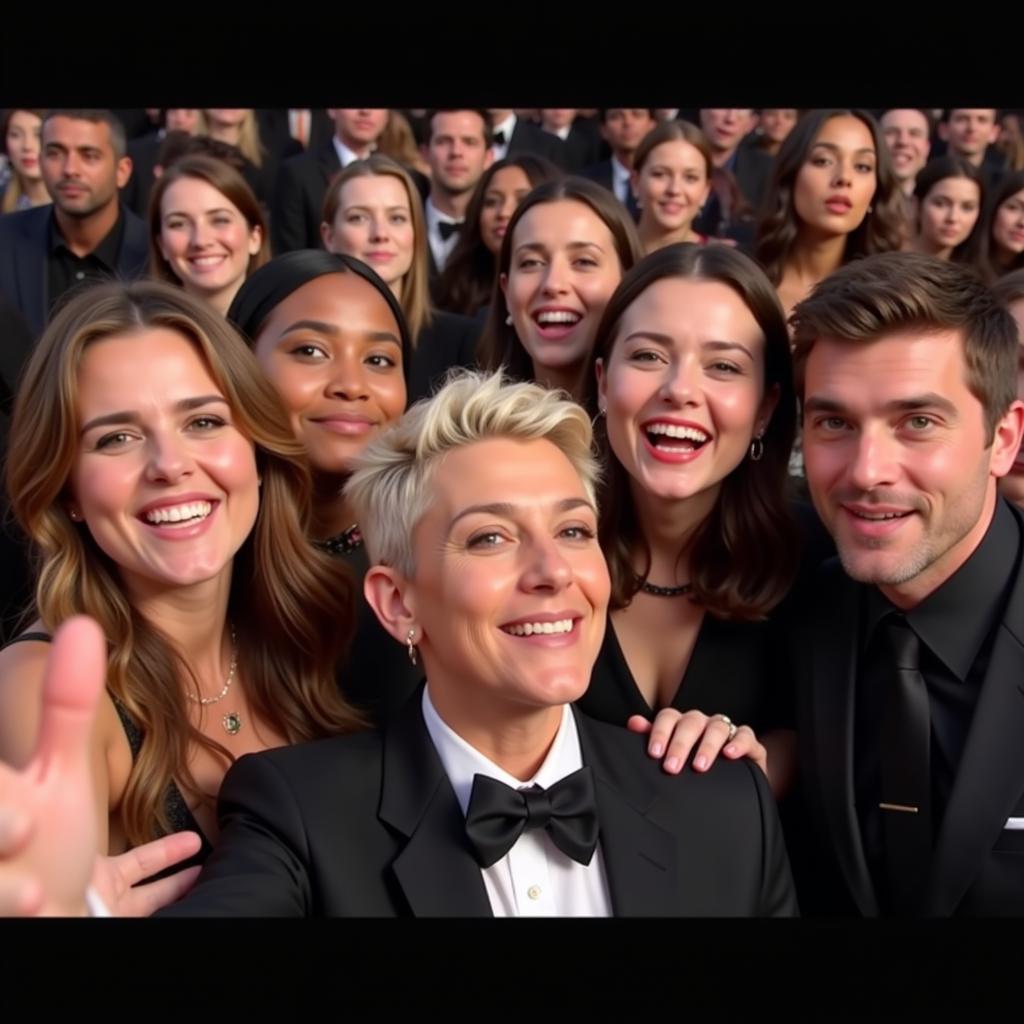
x: 440, y: 248
x: 345, y: 155
x: 535, y: 878
x: 620, y: 181
x: 560, y: 133
x: 508, y: 126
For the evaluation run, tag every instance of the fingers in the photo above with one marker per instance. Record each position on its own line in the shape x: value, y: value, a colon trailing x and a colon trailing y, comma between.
x: 15, y: 831
x: 75, y: 677
x: 637, y: 723
x: 662, y: 728
x: 20, y: 895
x: 152, y: 858
x: 746, y: 744
x: 688, y: 729
x: 147, y: 899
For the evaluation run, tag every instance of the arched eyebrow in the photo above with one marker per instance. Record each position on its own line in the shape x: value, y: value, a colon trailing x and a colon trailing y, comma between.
x: 322, y: 327
x: 507, y: 510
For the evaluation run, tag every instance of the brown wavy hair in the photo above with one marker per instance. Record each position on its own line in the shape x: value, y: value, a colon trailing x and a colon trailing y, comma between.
x: 982, y: 253
x: 741, y: 556
x: 229, y: 183
x: 291, y: 605
x: 778, y: 224
x: 499, y: 345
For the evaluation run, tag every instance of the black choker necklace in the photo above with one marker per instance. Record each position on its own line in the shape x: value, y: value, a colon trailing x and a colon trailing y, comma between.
x: 656, y: 591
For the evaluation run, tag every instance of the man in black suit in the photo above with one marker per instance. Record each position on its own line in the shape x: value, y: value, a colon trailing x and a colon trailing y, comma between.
x: 972, y: 134
x: 623, y: 130
x: 288, y: 133
x: 303, y: 179
x: 579, y: 138
x: 512, y: 135
x: 750, y: 167
x: 458, y: 150
x: 86, y: 234
x: 489, y: 795
x: 911, y: 652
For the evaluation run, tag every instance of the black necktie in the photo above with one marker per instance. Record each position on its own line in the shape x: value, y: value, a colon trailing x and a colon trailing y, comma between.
x: 498, y: 815
x: 447, y: 228
x: 906, y: 772
x: 499, y: 138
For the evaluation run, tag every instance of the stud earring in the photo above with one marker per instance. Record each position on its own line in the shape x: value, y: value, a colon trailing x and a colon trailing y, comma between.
x: 508, y: 319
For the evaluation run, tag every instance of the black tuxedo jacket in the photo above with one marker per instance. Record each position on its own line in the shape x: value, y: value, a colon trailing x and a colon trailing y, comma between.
x: 602, y: 174
x: 450, y: 339
x: 530, y: 138
x: 578, y: 150
x: 299, y: 198
x: 276, y: 138
x: 368, y: 825
x: 978, y: 865
x: 23, y: 255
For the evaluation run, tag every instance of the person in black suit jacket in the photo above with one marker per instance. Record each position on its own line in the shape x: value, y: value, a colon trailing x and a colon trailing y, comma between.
x: 86, y: 233
x: 512, y: 136
x: 372, y: 211
x: 580, y: 142
x: 623, y: 130
x: 749, y: 165
x: 489, y: 795
x: 910, y: 659
x: 302, y: 180
x: 276, y: 127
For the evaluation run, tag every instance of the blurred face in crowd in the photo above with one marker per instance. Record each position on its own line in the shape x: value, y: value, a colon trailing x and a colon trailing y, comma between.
x: 673, y: 185
x: 1008, y: 228
x: 777, y: 123
x: 970, y: 132
x: 906, y: 135
x: 505, y: 191
x: 725, y: 129
x: 948, y: 213
x: 22, y: 144
x: 1012, y: 485
x: 180, y: 120
x: 624, y: 130
x: 359, y: 129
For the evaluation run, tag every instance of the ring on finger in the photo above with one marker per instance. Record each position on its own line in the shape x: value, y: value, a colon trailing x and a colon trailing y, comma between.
x: 732, y: 726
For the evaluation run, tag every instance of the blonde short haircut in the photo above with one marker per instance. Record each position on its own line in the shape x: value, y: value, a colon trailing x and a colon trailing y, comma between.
x: 390, y: 489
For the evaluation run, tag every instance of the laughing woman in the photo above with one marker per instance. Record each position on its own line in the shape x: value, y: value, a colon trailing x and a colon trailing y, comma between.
x: 159, y: 481
x: 696, y: 417
x: 564, y: 252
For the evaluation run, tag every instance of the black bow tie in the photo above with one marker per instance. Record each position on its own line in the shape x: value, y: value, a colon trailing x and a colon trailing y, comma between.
x: 447, y: 228
x: 499, y: 138
x: 498, y: 815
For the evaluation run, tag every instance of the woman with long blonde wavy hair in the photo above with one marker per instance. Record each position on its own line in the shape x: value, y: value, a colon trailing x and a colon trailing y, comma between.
x: 155, y: 473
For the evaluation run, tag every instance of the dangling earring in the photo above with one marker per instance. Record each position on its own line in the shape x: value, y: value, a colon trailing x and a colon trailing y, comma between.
x: 410, y: 646
x: 871, y: 209
x: 756, y: 449
x: 508, y: 319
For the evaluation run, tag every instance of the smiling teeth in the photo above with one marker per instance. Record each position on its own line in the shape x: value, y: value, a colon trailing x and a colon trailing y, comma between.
x: 682, y: 433
x: 180, y: 513
x: 558, y: 318
x: 880, y: 517
x: 529, y: 628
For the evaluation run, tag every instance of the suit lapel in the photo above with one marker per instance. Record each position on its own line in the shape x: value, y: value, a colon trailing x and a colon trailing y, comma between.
x: 131, y: 260
x: 436, y: 870
x: 327, y: 160
x: 990, y: 778
x: 639, y: 856
x: 833, y: 643
x: 31, y: 270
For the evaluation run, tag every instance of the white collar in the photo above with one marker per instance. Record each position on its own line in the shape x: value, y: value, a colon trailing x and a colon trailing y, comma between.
x: 462, y: 762
x: 620, y: 172
x: 435, y: 216
x: 345, y: 155
x: 508, y: 126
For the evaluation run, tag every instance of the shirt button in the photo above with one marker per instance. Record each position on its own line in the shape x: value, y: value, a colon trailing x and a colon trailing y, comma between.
x: 533, y: 892
x: 80, y: 275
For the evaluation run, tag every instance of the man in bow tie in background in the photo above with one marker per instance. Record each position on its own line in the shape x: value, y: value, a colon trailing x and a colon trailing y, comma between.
x: 458, y: 151
x: 489, y: 794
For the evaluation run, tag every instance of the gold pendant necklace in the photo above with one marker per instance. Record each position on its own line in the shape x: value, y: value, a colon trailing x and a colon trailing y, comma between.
x: 232, y: 721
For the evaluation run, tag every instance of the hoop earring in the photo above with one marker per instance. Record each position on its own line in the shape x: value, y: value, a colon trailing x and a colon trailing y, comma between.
x: 410, y: 646
x: 756, y: 449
